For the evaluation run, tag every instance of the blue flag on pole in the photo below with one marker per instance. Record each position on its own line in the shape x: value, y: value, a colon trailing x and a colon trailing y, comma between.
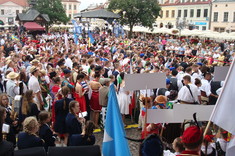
x: 91, y: 39
x: 114, y: 142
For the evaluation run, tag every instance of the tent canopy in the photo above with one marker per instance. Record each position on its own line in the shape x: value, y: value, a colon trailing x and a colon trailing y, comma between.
x: 101, y: 13
x: 33, y: 26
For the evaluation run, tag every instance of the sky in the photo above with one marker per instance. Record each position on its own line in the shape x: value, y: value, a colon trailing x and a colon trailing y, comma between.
x: 86, y: 3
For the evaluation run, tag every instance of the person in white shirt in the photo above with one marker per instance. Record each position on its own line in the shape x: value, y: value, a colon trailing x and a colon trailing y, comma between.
x: 184, y: 95
x: 206, y: 89
x: 33, y: 84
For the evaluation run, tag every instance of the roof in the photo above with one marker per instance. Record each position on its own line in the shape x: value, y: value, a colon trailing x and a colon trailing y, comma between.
x: 100, y: 13
x: 46, y: 17
x: 31, y: 15
x: 33, y: 26
x: 22, y: 3
x: 186, y: 3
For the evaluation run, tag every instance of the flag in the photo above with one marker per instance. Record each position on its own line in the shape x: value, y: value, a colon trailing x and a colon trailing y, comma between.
x: 114, y: 142
x: 76, y: 31
x: 66, y: 41
x: 223, y: 114
x: 90, y: 39
x: 13, y: 37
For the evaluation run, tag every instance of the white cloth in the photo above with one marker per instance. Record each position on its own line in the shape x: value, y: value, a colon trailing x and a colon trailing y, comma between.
x: 206, y: 87
x: 69, y: 63
x: 184, y: 94
x: 149, y: 92
x: 209, y: 149
x: 33, y: 84
x: 123, y: 101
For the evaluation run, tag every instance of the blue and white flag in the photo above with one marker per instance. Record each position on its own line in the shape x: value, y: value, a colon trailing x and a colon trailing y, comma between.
x: 114, y: 142
x: 77, y: 31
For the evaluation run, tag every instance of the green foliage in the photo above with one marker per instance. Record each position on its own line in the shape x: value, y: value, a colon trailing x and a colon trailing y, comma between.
x: 54, y: 9
x: 133, y: 12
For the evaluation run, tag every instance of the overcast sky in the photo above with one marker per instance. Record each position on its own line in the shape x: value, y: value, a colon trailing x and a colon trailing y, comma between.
x: 86, y: 3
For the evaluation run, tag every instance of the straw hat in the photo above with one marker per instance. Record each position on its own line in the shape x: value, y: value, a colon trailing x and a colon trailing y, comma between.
x: 12, y: 75
x: 33, y: 69
x: 8, y: 62
x: 34, y: 61
x: 43, y: 72
x: 161, y: 99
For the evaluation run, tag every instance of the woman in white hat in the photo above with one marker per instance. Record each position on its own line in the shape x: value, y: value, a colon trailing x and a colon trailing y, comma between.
x: 9, y: 65
x: 12, y: 88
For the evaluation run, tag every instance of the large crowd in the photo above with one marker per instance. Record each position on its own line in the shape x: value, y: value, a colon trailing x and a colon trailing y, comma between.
x: 54, y: 91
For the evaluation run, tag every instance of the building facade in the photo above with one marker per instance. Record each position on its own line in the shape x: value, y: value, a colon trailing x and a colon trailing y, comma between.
x: 223, y: 16
x: 192, y: 13
x: 10, y: 8
x: 71, y: 7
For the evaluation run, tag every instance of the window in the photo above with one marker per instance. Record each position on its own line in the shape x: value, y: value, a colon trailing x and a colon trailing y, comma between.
x: 204, y: 28
x: 216, y: 29
x: 167, y: 13
x: 173, y: 13
x: 233, y: 16
x: 185, y: 13
x: 75, y: 7
x: 70, y: 15
x: 205, y: 13
x: 198, y: 12
x: 2, y: 12
x: 17, y: 11
x: 222, y: 29
x: 179, y: 13
x: 215, y: 17
x: 191, y: 12
x: 225, y: 16
x: 161, y: 14
x: 197, y: 27
x: 70, y: 7
x: 64, y: 6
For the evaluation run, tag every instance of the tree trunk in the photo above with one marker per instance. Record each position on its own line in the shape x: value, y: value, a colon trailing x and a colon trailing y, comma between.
x: 130, y: 33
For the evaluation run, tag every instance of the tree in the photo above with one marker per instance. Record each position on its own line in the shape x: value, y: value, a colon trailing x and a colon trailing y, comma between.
x: 132, y: 12
x: 54, y: 9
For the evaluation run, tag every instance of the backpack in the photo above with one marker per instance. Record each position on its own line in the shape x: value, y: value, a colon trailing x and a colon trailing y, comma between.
x: 173, y: 84
x: 151, y: 146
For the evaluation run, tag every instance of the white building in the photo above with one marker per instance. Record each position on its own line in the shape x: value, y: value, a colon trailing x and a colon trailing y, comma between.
x: 10, y: 8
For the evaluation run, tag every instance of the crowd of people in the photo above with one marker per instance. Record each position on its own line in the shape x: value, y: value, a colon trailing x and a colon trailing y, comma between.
x: 56, y: 91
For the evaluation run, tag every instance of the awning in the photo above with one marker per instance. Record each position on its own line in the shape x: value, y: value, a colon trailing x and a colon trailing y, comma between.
x: 33, y: 26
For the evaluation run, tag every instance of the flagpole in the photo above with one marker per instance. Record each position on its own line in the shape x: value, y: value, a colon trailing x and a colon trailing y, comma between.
x: 145, y: 121
x: 224, y: 86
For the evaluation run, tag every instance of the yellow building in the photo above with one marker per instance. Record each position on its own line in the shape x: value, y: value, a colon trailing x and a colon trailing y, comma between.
x: 193, y: 13
x: 167, y: 16
x: 223, y: 16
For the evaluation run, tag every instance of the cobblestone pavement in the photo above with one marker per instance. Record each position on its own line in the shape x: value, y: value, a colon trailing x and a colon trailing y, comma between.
x: 131, y: 133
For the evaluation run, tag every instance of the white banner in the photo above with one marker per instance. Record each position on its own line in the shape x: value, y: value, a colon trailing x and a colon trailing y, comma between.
x: 141, y: 81
x: 179, y: 113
